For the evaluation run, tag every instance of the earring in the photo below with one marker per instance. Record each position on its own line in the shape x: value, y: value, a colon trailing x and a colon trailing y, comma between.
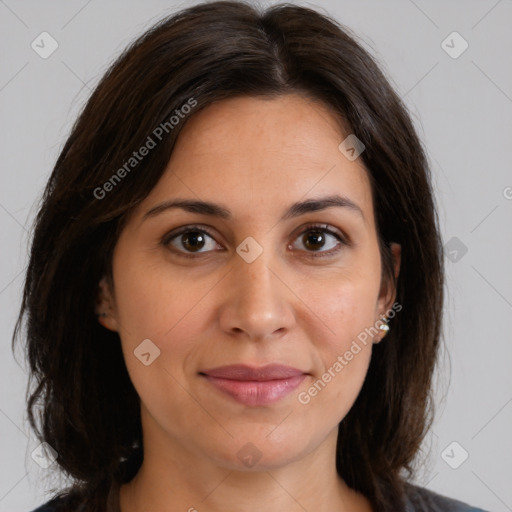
x: 384, y: 328
x: 102, y: 314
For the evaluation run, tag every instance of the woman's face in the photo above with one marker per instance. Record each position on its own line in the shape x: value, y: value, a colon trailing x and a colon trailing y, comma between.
x: 262, y: 284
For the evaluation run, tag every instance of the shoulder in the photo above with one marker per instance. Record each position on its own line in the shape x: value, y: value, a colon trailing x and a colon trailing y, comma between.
x: 77, y: 499
x: 54, y: 505
x: 419, y: 499
x: 45, y: 508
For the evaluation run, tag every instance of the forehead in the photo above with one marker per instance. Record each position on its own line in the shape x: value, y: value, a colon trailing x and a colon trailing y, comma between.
x: 259, y: 153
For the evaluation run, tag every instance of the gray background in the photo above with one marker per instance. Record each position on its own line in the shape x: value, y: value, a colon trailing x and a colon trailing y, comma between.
x: 462, y: 108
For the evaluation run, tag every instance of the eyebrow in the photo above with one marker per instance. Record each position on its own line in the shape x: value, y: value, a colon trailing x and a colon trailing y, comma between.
x: 216, y: 210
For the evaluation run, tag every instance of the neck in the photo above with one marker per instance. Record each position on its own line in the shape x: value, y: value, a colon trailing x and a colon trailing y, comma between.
x: 174, y: 479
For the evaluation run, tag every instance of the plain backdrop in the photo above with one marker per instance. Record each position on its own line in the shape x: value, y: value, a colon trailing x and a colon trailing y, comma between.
x: 461, y: 103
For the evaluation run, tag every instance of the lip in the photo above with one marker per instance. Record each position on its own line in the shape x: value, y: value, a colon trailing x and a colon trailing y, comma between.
x: 255, y: 386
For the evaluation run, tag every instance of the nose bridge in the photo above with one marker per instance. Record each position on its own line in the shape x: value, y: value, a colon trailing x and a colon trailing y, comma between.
x: 257, y: 304
x: 256, y: 279
x: 256, y: 275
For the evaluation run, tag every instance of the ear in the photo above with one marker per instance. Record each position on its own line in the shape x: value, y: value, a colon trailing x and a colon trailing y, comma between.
x: 387, y: 292
x: 105, y: 306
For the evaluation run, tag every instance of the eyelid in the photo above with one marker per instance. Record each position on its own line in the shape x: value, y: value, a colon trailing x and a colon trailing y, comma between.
x: 342, y: 238
x: 166, y: 239
x: 310, y: 226
x: 322, y: 226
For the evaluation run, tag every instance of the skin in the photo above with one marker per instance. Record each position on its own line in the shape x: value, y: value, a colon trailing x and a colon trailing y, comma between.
x: 255, y: 157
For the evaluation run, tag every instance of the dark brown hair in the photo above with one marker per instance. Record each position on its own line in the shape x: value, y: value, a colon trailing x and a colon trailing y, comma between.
x: 80, y: 398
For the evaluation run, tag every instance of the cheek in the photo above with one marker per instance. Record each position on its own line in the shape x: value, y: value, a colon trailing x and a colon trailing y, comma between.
x: 158, y: 302
x: 342, y: 335
x: 344, y: 306
x: 171, y: 310
x: 171, y: 313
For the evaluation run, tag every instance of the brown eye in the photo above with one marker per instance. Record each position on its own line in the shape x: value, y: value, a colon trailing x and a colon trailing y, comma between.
x: 316, y: 238
x: 190, y: 240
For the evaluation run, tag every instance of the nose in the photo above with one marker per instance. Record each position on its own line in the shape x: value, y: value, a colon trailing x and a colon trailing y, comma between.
x: 257, y: 303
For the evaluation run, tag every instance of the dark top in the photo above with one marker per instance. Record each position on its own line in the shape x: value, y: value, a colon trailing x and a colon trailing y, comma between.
x: 418, y: 500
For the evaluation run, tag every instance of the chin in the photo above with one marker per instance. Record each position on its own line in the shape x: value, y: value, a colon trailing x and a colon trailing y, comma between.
x: 259, y: 452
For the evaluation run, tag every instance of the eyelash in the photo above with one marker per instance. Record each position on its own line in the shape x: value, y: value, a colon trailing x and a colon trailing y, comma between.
x: 324, y: 228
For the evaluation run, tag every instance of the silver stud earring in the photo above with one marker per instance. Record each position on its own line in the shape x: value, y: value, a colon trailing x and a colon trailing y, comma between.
x: 384, y: 328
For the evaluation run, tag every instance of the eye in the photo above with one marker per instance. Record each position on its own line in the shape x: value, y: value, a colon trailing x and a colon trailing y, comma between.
x: 316, y: 237
x: 192, y: 238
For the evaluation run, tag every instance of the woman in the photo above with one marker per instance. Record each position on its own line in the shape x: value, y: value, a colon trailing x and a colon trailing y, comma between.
x: 235, y: 287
